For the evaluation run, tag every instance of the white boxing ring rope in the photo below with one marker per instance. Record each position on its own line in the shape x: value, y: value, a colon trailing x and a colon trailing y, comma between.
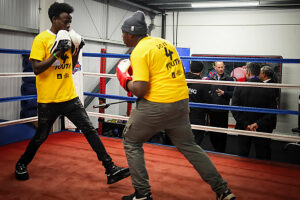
x: 288, y: 138
x: 17, y: 74
x: 209, y: 82
x: 18, y: 121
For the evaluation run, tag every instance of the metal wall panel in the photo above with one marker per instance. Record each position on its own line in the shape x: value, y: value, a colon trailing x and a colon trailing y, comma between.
x: 89, y: 17
x: 98, y: 19
x: 19, y: 13
x: 92, y: 64
x: 10, y: 87
x: 117, y: 14
x: 101, y: 19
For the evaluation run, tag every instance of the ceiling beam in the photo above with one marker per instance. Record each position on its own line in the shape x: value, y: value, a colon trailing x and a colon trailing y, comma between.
x: 142, y: 5
x: 180, y: 5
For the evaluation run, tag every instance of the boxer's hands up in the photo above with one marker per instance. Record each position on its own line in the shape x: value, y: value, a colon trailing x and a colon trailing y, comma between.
x: 77, y: 41
x: 61, y: 44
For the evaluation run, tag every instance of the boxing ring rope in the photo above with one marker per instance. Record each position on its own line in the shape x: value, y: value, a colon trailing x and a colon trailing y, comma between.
x: 224, y: 59
x: 20, y: 74
x: 216, y: 129
x: 18, y: 121
x: 18, y: 98
x: 204, y: 105
x: 200, y: 105
x: 208, y: 82
x: 197, y: 105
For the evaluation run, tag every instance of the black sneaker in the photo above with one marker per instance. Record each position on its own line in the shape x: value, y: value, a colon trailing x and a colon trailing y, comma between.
x: 136, y: 196
x: 116, y: 174
x: 21, y: 172
x: 227, y: 195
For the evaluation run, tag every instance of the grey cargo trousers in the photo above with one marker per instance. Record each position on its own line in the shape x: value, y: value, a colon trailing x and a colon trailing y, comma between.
x: 147, y: 119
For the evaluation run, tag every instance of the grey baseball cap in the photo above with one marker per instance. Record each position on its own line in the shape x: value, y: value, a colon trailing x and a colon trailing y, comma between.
x: 136, y: 24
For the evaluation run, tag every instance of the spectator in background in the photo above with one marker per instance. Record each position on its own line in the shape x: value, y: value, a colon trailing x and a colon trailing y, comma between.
x: 219, y: 94
x: 260, y: 122
x: 267, y: 75
x: 198, y: 93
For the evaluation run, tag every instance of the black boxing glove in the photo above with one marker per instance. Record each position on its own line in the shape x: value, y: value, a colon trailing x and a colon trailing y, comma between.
x: 62, y: 42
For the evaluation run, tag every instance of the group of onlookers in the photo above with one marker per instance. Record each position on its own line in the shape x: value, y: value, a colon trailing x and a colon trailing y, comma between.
x: 258, y: 97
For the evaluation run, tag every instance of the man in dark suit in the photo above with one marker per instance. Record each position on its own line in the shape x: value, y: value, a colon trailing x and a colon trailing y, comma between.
x: 267, y: 75
x: 219, y: 94
x: 260, y: 122
x: 198, y: 93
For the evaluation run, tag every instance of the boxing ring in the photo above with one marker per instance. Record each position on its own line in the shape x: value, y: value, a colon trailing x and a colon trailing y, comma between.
x: 248, y: 178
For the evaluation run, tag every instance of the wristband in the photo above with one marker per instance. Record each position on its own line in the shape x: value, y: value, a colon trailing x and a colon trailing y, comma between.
x: 55, y: 55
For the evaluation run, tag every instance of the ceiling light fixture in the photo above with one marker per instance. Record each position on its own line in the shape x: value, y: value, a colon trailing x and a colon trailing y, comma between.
x: 223, y: 4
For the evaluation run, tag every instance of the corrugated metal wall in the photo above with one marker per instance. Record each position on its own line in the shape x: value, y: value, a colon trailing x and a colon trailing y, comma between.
x: 15, y: 15
x: 101, y: 20
x: 19, y: 13
x: 98, y: 21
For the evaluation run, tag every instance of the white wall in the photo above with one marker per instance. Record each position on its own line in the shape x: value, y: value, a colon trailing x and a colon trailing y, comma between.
x: 260, y: 32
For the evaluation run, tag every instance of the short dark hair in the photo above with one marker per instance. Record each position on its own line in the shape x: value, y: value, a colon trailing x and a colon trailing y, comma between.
x: 57, y: 8
x: 196, y: 66
x: 253, y: 68
x: 268, y: 71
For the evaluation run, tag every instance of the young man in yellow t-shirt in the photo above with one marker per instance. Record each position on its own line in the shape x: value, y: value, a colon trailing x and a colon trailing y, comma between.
x: 52, y: 60
x: 158, y: 80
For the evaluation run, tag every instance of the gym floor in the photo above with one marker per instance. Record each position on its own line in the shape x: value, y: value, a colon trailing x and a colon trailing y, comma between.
x: 66, y: 168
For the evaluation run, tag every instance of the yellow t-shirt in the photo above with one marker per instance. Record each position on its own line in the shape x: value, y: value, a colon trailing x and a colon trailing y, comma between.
x: 157, y: 62
x: 56, y: 83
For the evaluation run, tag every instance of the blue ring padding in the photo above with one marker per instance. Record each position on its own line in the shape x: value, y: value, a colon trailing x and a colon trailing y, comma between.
x: 208, y: 106
x: 25, y: 113
x: 26, y: 63
x: 17, y: 98
x: 225, y: 59
x: 28, y: 89
x: 29, y: 104
x: 28, y: 69
x: 29, y: 80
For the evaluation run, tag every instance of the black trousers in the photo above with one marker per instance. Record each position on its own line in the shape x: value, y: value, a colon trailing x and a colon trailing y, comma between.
x: 262, y: 146
x: 73, y: 110
x: 198, y: 118
x: 218, y: 140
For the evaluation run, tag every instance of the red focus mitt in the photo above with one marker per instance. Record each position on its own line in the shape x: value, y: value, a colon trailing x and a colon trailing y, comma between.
x: 124, y: 72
